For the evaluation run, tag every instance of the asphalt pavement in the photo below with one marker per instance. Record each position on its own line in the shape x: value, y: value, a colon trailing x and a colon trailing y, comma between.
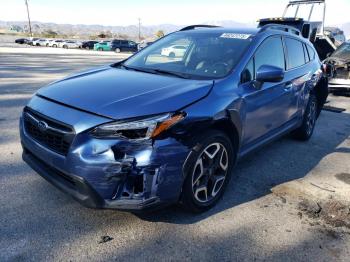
x: 40, y: 223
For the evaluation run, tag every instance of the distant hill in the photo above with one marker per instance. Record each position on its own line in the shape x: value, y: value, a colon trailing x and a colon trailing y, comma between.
x: 130, y: 31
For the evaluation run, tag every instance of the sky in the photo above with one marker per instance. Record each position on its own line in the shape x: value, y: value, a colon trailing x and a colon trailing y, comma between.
x: 154, y: 12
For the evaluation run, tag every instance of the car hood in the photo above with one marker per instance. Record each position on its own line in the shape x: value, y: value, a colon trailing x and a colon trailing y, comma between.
x: 119, y: 94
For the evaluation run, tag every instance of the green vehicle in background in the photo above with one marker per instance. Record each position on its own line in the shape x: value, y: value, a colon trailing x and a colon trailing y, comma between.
x: 103, y: 46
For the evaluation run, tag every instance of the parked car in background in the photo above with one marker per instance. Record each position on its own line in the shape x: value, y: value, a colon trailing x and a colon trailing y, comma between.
x: 88, y: 44
x: 152, y: 130
x: 21, y: 41
x: 123, y: 46
x: 143, y: 44
x: 31, y: 40
x: 174, y: 51
x: 47, y: 42
x: 103, y: 46
x: 70, y: 44
x: 40, y: 42
x: 335, y: 34
x: 55, y: 43
x: 339, y: 81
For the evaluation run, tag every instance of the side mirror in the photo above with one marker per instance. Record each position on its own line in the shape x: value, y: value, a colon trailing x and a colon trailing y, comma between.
x: 268, y: 73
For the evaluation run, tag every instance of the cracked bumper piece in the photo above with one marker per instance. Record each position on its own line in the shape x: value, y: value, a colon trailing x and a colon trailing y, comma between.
x: 80, y: 189
x: 113, y: 174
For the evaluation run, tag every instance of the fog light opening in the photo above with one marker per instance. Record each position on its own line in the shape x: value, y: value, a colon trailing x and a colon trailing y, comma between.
x: 138, y: 185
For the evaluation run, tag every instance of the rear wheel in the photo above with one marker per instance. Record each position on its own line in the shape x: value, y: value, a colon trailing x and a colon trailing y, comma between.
x: 305, y: 131
x: 54, y: 46
x: 65, y: 47
x: 100, y: 49
x: 208, y: 170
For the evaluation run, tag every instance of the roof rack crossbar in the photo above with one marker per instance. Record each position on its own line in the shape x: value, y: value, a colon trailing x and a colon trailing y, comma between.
x: 190, y: 27
x: 285, y: 28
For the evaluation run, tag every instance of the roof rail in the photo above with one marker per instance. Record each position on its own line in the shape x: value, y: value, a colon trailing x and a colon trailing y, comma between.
x: 284, y: 28
x: 190, y: 27
x: 295, y: 2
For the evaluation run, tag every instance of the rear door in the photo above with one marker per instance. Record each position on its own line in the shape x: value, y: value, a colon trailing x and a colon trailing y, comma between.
x: 298, y: 75
x: 267, y: 105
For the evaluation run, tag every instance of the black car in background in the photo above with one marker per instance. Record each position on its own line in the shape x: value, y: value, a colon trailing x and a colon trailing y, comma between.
x: 21, y: 41
x: 123, y: 46
x: 88, y: 44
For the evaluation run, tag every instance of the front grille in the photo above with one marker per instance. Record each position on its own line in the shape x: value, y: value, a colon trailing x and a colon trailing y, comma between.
x: 50, y: 133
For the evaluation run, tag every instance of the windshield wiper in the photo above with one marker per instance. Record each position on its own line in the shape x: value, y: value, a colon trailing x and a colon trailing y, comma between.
x: 177, y: 74
x: 137, y: 69
x: 155, y: 71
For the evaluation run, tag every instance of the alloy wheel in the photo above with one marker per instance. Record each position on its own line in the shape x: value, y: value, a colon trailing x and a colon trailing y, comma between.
x: 209, y: 172
x: 311, y: 117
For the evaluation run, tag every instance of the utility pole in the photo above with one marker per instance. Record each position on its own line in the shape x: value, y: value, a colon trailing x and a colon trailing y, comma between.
x: 139, y: 29
x: 30, y: 25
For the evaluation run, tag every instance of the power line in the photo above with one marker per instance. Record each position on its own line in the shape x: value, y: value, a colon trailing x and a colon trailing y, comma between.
x: 30, y: 25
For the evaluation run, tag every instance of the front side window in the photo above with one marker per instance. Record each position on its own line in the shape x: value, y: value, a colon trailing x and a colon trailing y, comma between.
x: 271, y: 53
x: 193, y: 54
x: 295, y: 52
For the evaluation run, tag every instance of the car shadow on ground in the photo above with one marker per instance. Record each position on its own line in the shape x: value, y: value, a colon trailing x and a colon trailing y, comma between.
x: 282, y: 161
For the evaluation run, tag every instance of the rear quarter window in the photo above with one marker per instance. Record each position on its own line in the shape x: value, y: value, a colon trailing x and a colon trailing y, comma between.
x: 311, y: 52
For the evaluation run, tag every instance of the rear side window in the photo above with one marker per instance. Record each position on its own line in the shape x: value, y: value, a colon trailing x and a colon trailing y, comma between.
x: 311, y: 52
x: 270, y: 52
x: 295, y: 52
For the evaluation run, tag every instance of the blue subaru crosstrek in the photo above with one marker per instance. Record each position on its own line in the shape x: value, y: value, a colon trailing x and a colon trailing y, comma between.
x: 155, y: 130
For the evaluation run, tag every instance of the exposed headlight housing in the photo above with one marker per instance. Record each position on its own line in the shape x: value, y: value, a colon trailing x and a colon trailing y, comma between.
x: 138, y: 129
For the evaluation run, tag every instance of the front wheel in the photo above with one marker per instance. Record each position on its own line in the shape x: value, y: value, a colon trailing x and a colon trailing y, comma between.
x: 305, y: 131
x: 117, y: 50
x: 208, y: 170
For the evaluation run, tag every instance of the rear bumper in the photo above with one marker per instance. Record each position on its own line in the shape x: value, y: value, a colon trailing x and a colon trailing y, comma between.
x: 339, y: 85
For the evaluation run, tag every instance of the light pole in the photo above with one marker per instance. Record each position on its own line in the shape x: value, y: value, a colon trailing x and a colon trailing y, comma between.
x: 30, y: 25
x: 139, y: 29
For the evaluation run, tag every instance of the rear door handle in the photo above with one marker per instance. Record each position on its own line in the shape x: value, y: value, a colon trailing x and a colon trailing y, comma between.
x: 288, y: 86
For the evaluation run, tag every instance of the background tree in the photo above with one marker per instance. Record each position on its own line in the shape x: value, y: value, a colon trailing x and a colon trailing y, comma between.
x: 160, y: 33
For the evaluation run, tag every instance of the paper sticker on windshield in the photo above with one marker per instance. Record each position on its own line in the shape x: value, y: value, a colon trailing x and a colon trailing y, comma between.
x: 235, y: 36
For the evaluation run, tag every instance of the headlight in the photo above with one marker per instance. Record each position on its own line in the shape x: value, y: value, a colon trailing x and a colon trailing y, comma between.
x: 138, y: 129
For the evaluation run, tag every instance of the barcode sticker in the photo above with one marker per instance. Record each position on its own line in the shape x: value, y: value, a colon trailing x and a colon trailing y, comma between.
x: 235, y: 36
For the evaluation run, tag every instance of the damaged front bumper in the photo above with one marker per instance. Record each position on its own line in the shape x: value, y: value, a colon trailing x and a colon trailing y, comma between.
x: 115, y: 174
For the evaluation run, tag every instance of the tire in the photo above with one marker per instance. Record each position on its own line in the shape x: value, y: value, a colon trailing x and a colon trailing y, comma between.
x: 207, y: 171
x: 54, y: 46
x: 100, y: 49
x: 172, y: 55
x: 117, y: 50
x: 305, y: 131
x: 65, y: 47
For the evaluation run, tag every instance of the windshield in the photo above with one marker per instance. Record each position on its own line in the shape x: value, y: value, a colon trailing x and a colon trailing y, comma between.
x: 343, y: 52
x: 198, y: 55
